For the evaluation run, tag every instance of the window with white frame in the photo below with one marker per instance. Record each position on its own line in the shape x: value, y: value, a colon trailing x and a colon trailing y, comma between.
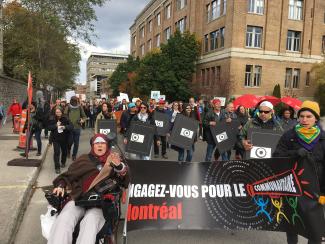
x: 214, y: 40
x: 295, y: 9
x: 296, y: 78
x: 158, y: 40
x: 168, y: 11
x: 181, y: 25
x: 254, y: 36
x: 180, y: 4
x: 224, y: 7
x: 158, y: 19
x: 293, y: 41
x: 253, y: 76
x: 256, y: 6
x: 149, y: 44
x: 142, y: 32
x: 150, y: 25
x: 168, y: 32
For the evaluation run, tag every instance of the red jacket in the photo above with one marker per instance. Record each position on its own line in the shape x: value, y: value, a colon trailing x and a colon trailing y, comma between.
x: 14, y: 109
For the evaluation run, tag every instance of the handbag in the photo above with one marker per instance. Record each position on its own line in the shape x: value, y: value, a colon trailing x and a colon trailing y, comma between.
x: 47, y: 221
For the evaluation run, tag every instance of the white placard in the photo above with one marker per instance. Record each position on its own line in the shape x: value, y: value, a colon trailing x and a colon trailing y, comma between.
x: 155, y: 95
x: 222, y: 100
x: 124, y: 96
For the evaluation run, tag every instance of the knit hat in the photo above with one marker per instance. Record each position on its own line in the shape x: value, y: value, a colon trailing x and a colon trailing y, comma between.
x: 131, y: 105
x: 312, y: 107
x: 266, y: 104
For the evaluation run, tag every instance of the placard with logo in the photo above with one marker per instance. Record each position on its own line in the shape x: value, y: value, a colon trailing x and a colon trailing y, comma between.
x: 106, y: 126
x: 140, y: 137
x: 264, y: 142
x: 161, y: 121
x: 184, y: 132
x: 225, y: 134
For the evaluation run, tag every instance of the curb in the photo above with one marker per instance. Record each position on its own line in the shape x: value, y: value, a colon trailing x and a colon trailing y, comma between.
x: 25, y: 199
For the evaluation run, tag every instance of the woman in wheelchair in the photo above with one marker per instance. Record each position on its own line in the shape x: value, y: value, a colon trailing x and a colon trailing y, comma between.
x: 83, y: 175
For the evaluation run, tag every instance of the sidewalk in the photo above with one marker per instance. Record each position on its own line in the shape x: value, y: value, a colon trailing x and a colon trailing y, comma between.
x: 15, y: 183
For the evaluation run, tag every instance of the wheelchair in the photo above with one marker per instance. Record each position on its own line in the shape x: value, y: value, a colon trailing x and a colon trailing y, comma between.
x: 109, y: 203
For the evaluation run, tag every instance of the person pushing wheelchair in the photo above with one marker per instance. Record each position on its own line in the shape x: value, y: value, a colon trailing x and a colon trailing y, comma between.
x: 81, y: 178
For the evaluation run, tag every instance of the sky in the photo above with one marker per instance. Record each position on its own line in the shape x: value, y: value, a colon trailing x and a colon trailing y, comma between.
x: 112, y: 30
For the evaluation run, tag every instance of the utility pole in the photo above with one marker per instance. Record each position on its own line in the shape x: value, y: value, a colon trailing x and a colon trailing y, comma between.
x: 1, y: 37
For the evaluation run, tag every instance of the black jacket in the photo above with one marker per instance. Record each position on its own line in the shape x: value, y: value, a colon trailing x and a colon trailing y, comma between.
x: 210, y: 116
x: 55, y: 135
x: 289, y: 145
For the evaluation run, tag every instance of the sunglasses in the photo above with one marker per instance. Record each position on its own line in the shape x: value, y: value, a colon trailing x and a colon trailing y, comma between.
x: 265, y: 112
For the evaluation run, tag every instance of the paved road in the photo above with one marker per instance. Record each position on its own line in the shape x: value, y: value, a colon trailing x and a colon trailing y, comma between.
x: 30, y: 231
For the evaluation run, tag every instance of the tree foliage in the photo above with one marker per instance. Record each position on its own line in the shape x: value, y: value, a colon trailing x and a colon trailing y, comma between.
x: 277, y: 91
x: 318, y: 78
x: 168, y: 70
x: 33, y: 43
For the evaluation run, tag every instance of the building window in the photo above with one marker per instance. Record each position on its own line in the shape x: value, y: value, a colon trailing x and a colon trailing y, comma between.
x: 256, y: 6
x: 254, y: 36
x: 180, y: 4
x: 253, y: 76
x: 213, y: 75
x: 158, y: 19
x: 292, y: 78
x: 142, y: 49
x: 135, y: 40
x: 296, y: 78
x: 158, y: 40
x: 293, y: 41
x: 168, y: 11
x: 149, y: 44
x: 207, y: 81
x: 323, y: 44
x: 224, y: 7
x: 308, y: 78
x: 222, y: 37
x: 295, y: 9
x: 168, y: 32
x: 288, y: 78
x: 181, y: 25
x: 213, y: 40
x: 142, y: 32
x: 218, y: 75
x: 150, y: 25
x: 206, y: 43
x: 202, y: 77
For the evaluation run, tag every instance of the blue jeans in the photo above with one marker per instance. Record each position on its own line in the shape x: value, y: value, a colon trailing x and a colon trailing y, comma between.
x: 210, y: 149
x: 181, y: 154
x: 37, y: 134
x: 226, y: 156
x: 75, y: 141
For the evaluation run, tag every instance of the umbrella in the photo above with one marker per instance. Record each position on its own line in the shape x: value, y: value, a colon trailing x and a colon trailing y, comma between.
x: 247, y: 100
x: 292, y: 102
x: 271, y: 99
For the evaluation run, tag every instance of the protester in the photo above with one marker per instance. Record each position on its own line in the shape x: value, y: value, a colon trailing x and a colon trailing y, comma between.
x: 2, y: 113
x: 81, y: 177
x: 287, y: 122
x: 77, y: 116
x: 46, y: 116
x: 127, y: 117
x: 15, y: 110
x: 64, y: 105
x: 160, y: 140
x: 265, y: 120
x: 242, y: 116
x: 56, y: 105
x: 60, y: 127
x: 35, y: 128
x: 145, y: 117
x: 190, y: 113
x: 210, y: 120
x: 228, y: 116
x: 152, y: 105
x: 105, y: 114
x: 123, y: 106
x: 138, y: 104
x: 86, y: 109
x: 175, y: 110
x: 306, y: 139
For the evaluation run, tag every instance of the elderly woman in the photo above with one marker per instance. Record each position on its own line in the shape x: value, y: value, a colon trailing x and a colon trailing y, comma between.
x: 307, y: 137
x: 82, y: 176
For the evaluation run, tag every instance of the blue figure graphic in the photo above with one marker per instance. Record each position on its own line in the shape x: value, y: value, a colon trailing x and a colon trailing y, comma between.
x: 262, y: 204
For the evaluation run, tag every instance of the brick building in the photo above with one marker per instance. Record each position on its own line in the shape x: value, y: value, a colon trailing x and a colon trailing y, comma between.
x: 248, y: 46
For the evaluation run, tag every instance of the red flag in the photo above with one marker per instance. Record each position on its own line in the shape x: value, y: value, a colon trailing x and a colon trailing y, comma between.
x: 30, y: 88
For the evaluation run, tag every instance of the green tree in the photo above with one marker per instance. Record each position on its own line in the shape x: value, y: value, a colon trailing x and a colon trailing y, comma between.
x: 32, y: 43
x: 277, y: 91
x: 318, y: 78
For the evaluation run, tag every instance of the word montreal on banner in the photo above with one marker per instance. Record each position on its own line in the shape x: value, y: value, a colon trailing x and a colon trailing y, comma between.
x: 278, y: 194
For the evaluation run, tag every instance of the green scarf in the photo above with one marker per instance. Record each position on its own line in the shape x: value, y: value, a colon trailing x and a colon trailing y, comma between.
x: 307, y: 135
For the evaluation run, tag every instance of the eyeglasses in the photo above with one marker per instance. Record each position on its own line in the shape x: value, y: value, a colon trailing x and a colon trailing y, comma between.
x: 265, y: 112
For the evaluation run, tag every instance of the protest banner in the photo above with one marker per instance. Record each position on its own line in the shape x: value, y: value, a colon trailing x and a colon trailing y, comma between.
x: 277, y: 194
x: 106, y: 126
x: 162, y: 123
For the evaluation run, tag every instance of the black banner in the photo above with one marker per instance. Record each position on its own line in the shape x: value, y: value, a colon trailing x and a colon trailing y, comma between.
x: 264, y: 142
x: 161, y: 121
x: 225, y: 134
x: 184, y: 132
x: 105, y: 126
x: 277, y: 194
x: 140, y: 137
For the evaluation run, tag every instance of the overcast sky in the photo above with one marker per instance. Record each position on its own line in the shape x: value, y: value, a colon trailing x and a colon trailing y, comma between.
x: 112, y: 30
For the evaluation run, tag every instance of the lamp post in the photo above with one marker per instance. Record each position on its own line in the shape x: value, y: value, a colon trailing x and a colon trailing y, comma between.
x: 1, y: 38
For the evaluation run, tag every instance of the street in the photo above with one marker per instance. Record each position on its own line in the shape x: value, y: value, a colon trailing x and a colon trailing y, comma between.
x: 30, y: 230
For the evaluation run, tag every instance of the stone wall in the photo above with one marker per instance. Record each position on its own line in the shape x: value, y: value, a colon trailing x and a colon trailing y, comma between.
x: 12, y: 88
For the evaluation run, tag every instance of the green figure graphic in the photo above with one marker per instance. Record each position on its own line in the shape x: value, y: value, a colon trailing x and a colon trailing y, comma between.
x: 293, y: 202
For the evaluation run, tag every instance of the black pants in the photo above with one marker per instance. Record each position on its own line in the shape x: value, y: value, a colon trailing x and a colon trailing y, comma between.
x: 292, y: 238
x: 60, y: 146
x: 163, y: 143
